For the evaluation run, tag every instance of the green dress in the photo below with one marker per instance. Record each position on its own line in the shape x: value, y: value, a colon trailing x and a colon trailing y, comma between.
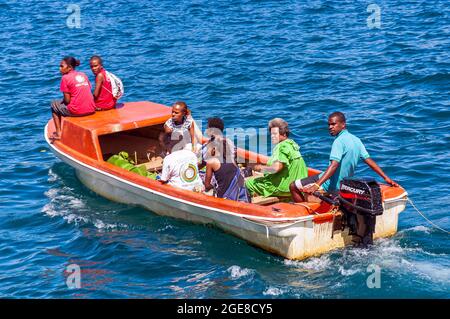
x: 294, y: 167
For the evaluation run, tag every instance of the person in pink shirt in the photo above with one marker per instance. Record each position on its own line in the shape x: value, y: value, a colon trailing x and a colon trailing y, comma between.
x: 103, y: 97
x: 77, y: 97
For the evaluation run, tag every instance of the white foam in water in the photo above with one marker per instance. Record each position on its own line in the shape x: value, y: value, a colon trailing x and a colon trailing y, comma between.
x: 387, y: 253
x: 434, y: 272
x: 348, y: 272
x: 52, y: 176
x: 76, y: 219
x: 314, y: 263
x: 391, y: 257
x: 99, y: 224
x: 420, y: 229
x: 69, y: 208
x: 166, y: 228
x: 48, y: 210
x: 273, y: 291
x: 238, y: 272
x: 65, y: 206
x: 105, y: 226
x: 51, y: 193
x: 387, y: 247
x: 77, y: 203
x: 54, y: 194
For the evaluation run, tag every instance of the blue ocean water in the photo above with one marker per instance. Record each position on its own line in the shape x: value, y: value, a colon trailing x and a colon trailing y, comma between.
x: 246, y: 61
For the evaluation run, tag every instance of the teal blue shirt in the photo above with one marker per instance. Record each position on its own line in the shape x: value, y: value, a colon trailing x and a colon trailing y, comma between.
x: 347, y: 149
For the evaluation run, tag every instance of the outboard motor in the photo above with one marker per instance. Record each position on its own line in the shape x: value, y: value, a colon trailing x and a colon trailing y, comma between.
x: 361, y: 202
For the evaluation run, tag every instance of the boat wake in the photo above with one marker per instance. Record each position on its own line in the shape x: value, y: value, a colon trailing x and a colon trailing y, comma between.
x: 393, y: 258
x: 63, y: 202
x: 64, y: 206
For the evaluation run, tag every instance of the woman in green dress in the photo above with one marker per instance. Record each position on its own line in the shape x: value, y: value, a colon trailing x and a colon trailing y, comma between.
x: 284, y: 166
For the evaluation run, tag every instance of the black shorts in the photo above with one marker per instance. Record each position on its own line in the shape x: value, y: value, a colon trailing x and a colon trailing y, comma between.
x: 302, y: 183
x: 60, y: 108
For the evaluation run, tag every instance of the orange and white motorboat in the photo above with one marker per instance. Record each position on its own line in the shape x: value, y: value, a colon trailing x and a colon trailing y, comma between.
x: 294, y: 231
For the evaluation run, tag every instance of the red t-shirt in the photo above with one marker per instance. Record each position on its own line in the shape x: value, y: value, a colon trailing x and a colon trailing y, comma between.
x: 105, y: 99
x: 78, y: 86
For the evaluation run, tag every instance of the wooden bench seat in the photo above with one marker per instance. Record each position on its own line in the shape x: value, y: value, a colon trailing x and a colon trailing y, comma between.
x: 261, y: 200
x: 154, y: 165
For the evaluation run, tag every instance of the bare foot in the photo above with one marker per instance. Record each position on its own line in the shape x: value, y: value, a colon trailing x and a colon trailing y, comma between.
x: 54, y: 137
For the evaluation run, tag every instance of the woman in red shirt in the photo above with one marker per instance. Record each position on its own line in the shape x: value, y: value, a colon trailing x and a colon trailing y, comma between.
x: 77, y: 97
x: 103, y: 97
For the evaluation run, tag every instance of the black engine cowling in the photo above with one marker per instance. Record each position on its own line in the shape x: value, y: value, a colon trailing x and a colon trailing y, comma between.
x: 361, y: 196
x: 361, y: 202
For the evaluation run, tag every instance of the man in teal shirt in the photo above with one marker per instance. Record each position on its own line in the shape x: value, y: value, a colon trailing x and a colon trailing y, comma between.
x: 346, y: 151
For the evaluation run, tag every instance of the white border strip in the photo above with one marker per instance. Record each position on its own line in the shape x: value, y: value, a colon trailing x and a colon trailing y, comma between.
x: 304, y: 218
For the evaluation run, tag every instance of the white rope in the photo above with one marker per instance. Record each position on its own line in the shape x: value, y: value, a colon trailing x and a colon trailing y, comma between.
x: 445, y: 231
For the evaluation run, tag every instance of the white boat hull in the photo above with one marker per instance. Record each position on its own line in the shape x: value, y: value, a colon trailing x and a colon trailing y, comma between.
x: 293, y: 240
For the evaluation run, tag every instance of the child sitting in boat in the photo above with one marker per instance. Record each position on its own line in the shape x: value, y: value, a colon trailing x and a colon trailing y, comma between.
x: 103, y: 96
x: 180, y: 167
x: 77, y: 98
x: 220, y: 164
x: 181, y: 124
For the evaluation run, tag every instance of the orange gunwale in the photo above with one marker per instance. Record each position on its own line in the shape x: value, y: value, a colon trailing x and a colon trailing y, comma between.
x: 79, y: 141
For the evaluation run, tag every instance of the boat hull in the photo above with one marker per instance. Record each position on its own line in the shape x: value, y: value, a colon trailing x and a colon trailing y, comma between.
x: 299, y: 239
